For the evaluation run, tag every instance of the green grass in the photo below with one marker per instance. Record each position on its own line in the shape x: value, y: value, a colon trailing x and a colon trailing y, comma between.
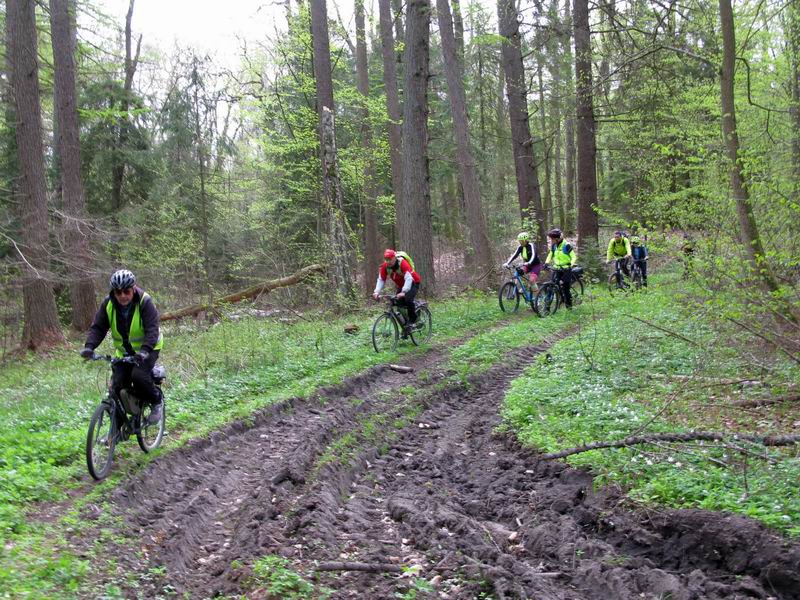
x: 619, y: 378
x: 216, y: 375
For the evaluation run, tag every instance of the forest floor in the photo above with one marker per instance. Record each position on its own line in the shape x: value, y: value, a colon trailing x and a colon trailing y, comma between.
x: 391, y: 485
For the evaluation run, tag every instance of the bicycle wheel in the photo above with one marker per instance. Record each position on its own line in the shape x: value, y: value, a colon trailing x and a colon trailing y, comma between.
x: 385, y: 333
x: 616, y: 283
x: 636, y: 279
x: 150, y: 436
x: 101, y: 440
x: 547, y: 300
x: 423, y: 328
x: 509, y: 297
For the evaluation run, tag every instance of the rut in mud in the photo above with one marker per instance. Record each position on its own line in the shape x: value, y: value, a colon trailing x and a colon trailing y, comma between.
x: 440, y: 491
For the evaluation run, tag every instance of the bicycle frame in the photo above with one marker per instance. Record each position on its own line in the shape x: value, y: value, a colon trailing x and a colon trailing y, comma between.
x: 522, y: 287
x: 117, y: 406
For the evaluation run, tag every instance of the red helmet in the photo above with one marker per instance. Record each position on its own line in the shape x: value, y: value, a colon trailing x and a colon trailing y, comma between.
x: 389, y: 255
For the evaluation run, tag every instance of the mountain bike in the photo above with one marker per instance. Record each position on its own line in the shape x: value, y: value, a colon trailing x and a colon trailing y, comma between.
x: 550, y: 296
x: 617, y: 281
x: 514, y: 289
x: 386, y: 331
x: 118, y: 417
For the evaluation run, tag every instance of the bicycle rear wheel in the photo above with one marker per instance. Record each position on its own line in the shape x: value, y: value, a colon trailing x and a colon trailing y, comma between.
x: 385, y: 333
x: 150, y: 436
x: 509, y: 297
x: 101, y: 440
x: 547, y: 300
x: 423, y: 327
x: 576, y: 291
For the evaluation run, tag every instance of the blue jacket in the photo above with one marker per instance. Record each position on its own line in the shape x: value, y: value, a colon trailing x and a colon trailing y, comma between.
x: 639, y: 252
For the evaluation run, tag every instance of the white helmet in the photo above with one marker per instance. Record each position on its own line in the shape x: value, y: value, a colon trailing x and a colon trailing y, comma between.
x: 122, y: 279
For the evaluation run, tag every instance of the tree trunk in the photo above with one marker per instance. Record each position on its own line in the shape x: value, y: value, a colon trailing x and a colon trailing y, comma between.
x: 747, y: 223
x: 569, y: 122
x: 548, y: 195
x: 555, y: 101
x: 41, y: 329
x: 467, y: 169
x: 131, y: 61
x: 371, y: 249
x: 414, y: 211
x: 202, y: 174
x: 530, y: 198
x: 337, y: 246
x: 793, y: 34
x: 500, y: 132
x: 392, y: 99
x: 587, y: 150
x: 81, y: 286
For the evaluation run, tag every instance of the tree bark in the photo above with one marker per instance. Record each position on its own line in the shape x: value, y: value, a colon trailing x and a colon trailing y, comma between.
x: 337, y: 246
x: 547, y: 198
x: 530, y: 197
x: 414, y: 210
x: 81, y: 285
x: 41, y: 329
x: 587, y: 149
x: 467, y: 169
x: 202, y: 175
x: 748, y: 230
x: 371, y: 249
x: 794, y: 84
x: 569, y: 122
x: 392, y: 99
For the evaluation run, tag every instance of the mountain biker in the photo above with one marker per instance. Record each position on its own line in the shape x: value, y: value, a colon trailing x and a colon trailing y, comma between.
x: 563, y: 256
x: 619, y: 248
x: 405, y: 278
x: 133, y: 319
x: 639, y: 255
x: 531, y: 263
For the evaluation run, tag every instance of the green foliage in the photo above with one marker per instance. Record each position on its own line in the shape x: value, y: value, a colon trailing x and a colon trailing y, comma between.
x: 275, y: 575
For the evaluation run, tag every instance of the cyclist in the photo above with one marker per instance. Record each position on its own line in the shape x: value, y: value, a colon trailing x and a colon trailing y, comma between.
x: 133, y: 319
x: 688, y: 253
x: 619, y: 248
x: 563, y: 256
x: 531, y: 263
x: 639, y: 255
x: 405, y: 278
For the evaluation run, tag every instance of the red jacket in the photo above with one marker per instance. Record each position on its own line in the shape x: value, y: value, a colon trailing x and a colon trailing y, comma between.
x: 398, y: 275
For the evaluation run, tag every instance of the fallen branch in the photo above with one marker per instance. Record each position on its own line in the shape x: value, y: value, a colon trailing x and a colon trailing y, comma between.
x: 664, y: 329
x: 766, y: 401
x: 251, y: 292
x: 771, y: 342
x: 401, y: 368
x: 356, y: 566
x: 689, y: 436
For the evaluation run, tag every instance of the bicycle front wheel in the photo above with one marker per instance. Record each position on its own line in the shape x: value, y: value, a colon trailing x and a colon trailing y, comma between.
x: 423, y: 327
x: 636, y: 279
x: 576, y: 292
x: 616, y: 283
x: 385, y: 333
x: 509, y: 297
x: 101, y: 440
x: 150, y: 436
x: 547, y: 300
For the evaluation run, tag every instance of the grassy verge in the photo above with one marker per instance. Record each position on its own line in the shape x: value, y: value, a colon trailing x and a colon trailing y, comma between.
x: 217, y: 374
x: 623, y: 376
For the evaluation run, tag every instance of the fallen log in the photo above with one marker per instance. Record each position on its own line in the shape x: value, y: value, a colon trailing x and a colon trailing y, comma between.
x: 356, y: 566
x: 251, y: 292
x: 689, y: 436
x: 401, y: 368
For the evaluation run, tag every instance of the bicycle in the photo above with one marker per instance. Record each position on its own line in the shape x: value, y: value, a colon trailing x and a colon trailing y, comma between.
x: 514, y: 289
x: 387, y: 327
x: 119, y: 416
x: 550, y: 296
x: 617, y: 280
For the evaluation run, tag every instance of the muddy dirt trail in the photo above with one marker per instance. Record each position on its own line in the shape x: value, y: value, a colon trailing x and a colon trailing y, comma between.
x: 368, y: 472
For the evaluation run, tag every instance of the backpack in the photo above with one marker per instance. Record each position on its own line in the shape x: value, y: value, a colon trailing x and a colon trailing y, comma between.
x: 404, y: 256
x: 567, y: 249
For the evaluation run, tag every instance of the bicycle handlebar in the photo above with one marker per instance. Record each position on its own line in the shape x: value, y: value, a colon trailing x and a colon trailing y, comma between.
x: 114, y: 360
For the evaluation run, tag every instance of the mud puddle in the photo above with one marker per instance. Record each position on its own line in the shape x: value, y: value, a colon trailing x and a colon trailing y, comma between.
x: 369, y: 475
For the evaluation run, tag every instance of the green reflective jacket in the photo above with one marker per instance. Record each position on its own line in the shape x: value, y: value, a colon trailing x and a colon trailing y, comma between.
x: 562, y: 255
x: 136, y: 334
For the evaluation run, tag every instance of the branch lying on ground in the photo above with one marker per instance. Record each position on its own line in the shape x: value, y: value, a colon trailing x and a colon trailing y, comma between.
x: 689, y: 436
x: 664, y: 329
x: 770, y: 341
x: 356, y: 566
x: 251, y: 292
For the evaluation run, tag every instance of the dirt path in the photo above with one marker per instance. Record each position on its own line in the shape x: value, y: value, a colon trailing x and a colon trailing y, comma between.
x: 342, y: 477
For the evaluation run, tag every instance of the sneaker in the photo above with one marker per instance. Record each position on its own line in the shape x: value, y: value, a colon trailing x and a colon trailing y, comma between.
x: 155, y: 413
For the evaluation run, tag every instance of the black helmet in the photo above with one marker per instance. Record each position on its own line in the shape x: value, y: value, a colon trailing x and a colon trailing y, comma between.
x: 555, y: 233
x: 122, y: 279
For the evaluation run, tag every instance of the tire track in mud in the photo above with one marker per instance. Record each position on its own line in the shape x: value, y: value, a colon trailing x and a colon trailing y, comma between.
x: 468, y: 507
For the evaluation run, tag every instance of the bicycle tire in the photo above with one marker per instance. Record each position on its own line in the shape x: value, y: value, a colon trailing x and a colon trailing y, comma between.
x: 544, y: 306
x: 423, y: 334
x: 636, y: 280
x: 144, y: 433
x: 101, y: 440
x: 509, y: 297
x: 616, y: 283
x: 385, y: 333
